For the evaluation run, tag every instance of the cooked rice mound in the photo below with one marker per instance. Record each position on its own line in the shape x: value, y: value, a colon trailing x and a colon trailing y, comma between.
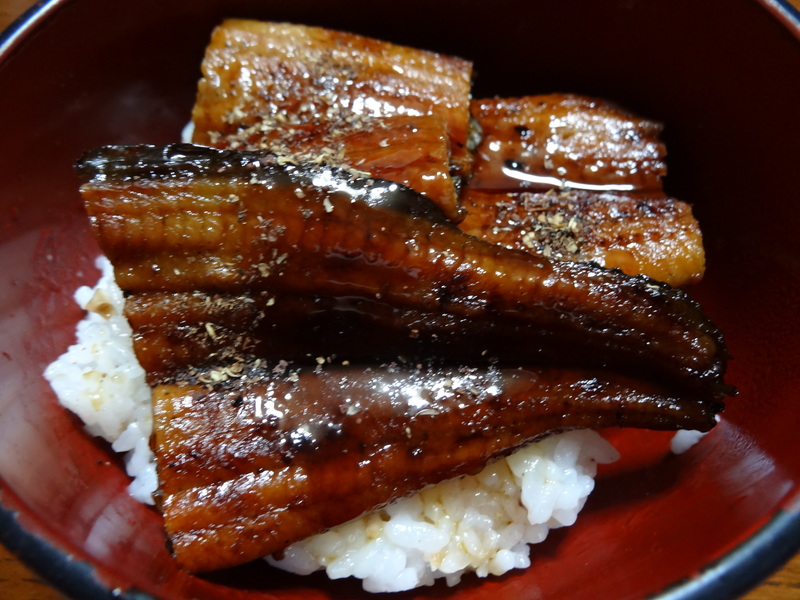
x: 482, y: 523
x: 99, y: 379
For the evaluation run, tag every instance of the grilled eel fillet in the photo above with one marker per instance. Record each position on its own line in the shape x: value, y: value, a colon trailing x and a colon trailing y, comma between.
x: 576, y: 178
x: 217, y: 240
x: 188, y: 219
x: 653, y: 235
x: 573, y: 139
x: 250, y: 467
x: 399, y: 113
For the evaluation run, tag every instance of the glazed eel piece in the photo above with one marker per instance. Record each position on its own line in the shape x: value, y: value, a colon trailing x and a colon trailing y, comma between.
x: 396, y: 112
x: 185, y: 219
x: 640, y: 234
x: 577, y: 140
x: 178, y: 334
x: 578, y: 178
x: 267, y: 459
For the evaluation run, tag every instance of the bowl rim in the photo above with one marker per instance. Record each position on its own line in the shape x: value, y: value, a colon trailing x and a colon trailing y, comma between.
x: 70, y: 575
x: 730, y: 576
x: 786, y: 13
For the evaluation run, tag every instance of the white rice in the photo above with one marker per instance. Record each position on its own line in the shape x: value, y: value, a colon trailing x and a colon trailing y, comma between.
x: 687, y: 438
x: 99, y: 379
x: 482, y: 524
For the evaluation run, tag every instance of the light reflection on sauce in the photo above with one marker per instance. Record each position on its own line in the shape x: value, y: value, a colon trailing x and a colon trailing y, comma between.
x: 265, y: 408
x: 548, y: 181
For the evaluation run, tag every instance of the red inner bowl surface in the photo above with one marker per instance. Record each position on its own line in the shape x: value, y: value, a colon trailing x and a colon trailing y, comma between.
x: 722, y: 76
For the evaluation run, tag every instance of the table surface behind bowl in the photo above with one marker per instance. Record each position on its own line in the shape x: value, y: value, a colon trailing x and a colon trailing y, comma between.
x: 17, y: 581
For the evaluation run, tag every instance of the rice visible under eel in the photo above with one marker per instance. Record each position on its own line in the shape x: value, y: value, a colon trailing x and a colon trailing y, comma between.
x: 482, y: 523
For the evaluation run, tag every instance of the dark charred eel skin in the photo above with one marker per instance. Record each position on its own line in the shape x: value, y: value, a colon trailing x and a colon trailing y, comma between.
x: 186, y: 218
x: 186, y: 161
x: 177, y: 333
x: 265, y: 459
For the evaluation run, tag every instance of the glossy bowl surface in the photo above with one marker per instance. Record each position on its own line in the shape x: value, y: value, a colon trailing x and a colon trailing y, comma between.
x: 723, y: 75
